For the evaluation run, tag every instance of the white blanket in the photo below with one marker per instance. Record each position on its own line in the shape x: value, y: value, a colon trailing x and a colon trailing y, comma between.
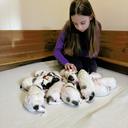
x: 105, y: 112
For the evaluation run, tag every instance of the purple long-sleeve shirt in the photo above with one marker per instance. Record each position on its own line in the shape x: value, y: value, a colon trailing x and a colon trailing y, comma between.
x: 58, y: 51
x: 59, y: 48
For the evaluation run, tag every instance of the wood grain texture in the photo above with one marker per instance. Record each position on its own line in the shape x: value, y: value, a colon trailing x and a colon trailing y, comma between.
x: 23, y: 46
x: 114, y: 46
x: 17, y: 47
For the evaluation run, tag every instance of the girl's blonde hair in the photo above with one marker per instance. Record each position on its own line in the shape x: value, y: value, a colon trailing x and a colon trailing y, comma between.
x: 72, y: 42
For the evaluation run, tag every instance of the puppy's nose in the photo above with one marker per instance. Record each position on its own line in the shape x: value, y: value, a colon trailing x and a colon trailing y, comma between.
x: 36, y: 107
x: 70, y: 78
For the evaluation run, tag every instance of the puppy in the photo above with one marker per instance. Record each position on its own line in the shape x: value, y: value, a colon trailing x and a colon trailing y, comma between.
x: 70, y: 95
x: 40, y: 73
x: 95, y: 75
x: 69, y: 76
x: 100, y: 90
x: 44, y: 81
x: 30, y: 81
x: 51, y: 77
x: 87, y: 87
x: 27, y: 83
x: 53, y: 93
x: 105, y: 85
x: 34, y: 100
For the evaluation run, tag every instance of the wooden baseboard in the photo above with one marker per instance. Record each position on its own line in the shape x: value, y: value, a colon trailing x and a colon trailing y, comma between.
x: 116, y: 62
x: 120, y: 67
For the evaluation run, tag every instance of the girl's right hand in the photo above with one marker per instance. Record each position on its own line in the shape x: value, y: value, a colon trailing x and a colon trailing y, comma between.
x: 70, y: 66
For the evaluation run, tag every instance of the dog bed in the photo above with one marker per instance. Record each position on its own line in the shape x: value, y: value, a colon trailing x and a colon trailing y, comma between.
x: 104, y: 112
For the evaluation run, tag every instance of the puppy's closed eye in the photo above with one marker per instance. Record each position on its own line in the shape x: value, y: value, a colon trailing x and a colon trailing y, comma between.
x: 91, y: 97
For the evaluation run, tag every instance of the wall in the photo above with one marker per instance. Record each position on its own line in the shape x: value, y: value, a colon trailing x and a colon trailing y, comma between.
x: 33, y: 14
x: 52, y: 14
x: 113, y: 14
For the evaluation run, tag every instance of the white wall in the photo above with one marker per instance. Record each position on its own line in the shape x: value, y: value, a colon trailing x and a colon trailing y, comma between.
x: 113, y: 14
x: 33, y: 14
x: 52, y: 14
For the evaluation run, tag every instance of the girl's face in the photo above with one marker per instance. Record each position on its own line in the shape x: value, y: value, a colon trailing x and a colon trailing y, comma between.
x: 81, y: 22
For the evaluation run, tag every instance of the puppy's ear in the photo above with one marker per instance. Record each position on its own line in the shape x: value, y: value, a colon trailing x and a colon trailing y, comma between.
x: 50, y: 98
x: 68, y: 99
x: 91, y: 97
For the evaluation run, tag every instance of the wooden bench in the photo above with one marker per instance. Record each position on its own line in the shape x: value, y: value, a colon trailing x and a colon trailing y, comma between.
x: 18, y: 47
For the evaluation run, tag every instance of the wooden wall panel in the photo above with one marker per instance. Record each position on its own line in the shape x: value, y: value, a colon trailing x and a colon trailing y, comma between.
x: 21, y: 46
x: 114, y: 45
x: 17, y: 46
x: 21, y: 42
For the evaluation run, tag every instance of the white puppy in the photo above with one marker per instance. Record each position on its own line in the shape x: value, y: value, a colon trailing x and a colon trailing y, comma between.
x: 27, y: 83
x: 103, y: 85
x: 100, y: 90
x: 95, y: 75
x: 87, y: 87
x: 70, y: 95
x: 53, y: 93
x: 69, y: 76
x: 109, y: 82
x: 30, y: 81
x: 34, y: 100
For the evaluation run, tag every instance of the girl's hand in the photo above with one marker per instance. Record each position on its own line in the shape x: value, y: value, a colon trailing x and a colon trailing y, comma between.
x: 70, y: 66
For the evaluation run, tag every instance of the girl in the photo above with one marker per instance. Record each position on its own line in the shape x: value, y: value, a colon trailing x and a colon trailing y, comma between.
x: 78, y: 44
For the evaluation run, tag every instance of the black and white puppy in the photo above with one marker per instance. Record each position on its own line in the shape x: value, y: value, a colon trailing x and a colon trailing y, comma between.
x: 87, y: 87
x: 51, y: 77
x: 44, y: 80
x: 53, y: 93
x: 30, y: 81
x: 34, y: 100
x: 69, y: 76
x: 70, y: 94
